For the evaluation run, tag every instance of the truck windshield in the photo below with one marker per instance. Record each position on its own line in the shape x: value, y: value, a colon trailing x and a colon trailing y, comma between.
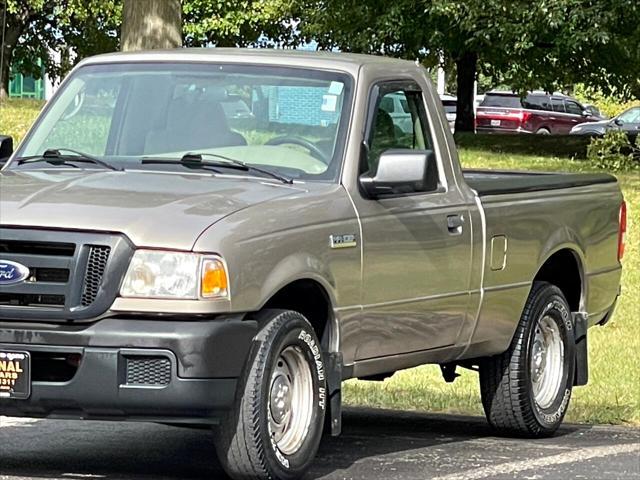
x: 288, y: 120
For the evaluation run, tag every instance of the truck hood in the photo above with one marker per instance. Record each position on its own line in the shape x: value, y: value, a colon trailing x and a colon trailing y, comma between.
x: 168, y: 210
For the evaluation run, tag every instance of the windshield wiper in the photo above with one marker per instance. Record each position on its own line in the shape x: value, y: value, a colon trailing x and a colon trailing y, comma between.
x: 196, y: 160
x: 54, y: 156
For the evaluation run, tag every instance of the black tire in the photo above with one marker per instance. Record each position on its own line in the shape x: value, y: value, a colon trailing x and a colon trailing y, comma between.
x: 244, y: 442
x: 506, y: 383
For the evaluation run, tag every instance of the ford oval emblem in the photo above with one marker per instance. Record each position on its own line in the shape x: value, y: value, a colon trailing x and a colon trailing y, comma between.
x: 12, y: 272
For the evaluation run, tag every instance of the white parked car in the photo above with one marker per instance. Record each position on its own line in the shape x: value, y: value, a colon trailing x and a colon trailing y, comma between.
x: 450, y: 104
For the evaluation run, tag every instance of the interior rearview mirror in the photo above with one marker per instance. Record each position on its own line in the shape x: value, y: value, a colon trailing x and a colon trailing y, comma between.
x: 6, y: 148
x: 402, y: 172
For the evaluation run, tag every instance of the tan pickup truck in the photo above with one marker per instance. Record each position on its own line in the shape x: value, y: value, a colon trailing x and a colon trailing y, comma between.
x: 221, y: 237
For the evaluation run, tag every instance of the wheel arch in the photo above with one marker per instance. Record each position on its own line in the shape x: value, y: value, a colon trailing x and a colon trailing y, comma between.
x: 309, y: 296
x: 564, y: 268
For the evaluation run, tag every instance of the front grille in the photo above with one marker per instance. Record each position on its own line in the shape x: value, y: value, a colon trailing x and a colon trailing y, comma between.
x: 150, y: 371
x: 72, y: 275
x: 31, y: 300
x: 96, y: 265
x: 37, y: 248
x: 50, y: 275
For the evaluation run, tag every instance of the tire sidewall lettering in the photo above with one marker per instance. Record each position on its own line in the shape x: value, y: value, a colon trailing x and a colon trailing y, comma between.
x: 562, y: 310
x: 279, y: 455
x: 556, y: 308
x: 303, y: 339
x: 316, y: 352
x: 552, y: 418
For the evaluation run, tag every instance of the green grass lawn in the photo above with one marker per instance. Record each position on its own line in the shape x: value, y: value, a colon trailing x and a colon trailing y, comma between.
x: 16, y: 116
x: 613, y: 393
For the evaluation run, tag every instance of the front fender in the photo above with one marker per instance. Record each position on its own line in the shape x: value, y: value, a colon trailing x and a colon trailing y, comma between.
x: 298, y: 266
x: 274, y: 243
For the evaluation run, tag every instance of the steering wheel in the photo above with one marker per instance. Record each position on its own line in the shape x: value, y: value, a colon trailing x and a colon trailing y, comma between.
x: 302, y: 142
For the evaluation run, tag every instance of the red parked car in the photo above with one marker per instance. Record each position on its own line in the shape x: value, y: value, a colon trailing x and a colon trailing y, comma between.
x: 538, y: 112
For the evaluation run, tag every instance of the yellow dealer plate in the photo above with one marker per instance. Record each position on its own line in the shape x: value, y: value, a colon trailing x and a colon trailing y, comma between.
x: 15, y: 375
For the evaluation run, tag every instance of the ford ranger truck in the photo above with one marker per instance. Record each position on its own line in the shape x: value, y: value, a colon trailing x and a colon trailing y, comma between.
x: 163, y: 259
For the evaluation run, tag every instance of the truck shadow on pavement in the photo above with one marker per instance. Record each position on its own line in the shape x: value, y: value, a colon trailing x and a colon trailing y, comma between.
x: 73, y: 449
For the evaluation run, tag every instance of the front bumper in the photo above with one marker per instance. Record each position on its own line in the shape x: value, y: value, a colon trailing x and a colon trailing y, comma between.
x: 128, y: 369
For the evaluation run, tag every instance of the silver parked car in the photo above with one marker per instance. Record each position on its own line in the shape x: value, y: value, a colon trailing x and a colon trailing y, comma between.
x: 628, y: 121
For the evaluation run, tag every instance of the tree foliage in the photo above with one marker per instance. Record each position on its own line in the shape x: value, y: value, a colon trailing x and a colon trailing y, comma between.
x: 34, y: 29
x: 238, y: 23
x: 615, y: 151
x: 547, y: 44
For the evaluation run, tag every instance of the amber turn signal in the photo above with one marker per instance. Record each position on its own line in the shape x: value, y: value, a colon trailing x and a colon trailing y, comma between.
x: 214, y: 280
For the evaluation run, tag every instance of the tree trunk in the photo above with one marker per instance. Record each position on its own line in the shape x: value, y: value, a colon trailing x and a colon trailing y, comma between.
x: 12, y: 33
x: 4, y: 85
x: 466, y: 65
x: 150, y: 24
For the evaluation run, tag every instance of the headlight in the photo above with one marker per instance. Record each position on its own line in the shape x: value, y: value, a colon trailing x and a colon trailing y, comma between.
x: 175, y: 275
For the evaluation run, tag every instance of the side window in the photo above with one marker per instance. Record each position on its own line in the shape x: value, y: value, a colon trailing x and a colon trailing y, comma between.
x: 536, y: 102
x: 405, y: 129
x: 572, y: 107
x: 630, y: 116
x: 558, y: 105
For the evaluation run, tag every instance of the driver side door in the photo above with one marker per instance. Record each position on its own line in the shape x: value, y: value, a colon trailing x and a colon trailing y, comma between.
x: 416, y: 247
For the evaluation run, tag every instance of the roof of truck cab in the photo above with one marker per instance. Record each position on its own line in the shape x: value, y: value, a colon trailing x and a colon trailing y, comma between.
x: 350, y: 62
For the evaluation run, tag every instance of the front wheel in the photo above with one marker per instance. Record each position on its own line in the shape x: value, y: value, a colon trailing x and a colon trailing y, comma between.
x: 274, y: 428
x: 526, y: 390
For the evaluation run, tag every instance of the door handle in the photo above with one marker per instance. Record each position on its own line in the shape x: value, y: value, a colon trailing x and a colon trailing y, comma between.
x: 454, y: 224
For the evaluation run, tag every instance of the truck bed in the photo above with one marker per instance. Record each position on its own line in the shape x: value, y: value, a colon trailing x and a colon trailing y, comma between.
x: 500, y: 182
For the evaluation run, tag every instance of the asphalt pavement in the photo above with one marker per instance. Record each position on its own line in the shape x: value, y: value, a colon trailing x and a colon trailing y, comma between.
x: 376, y: 444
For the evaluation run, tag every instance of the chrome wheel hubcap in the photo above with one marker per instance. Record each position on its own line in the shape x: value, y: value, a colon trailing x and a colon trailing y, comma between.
x: 290, y: 400
x: 547, y: 362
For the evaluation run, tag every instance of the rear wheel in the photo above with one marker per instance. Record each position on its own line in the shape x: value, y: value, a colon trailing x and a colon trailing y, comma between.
x: 275, y: 426
x: 526, y: 390
x: 543, y: 131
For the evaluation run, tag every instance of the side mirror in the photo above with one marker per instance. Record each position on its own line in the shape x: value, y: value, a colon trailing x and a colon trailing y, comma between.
x: 6, y: 148
x: 618, y: 122
x: 401, y: 172
x: 586, y: 113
